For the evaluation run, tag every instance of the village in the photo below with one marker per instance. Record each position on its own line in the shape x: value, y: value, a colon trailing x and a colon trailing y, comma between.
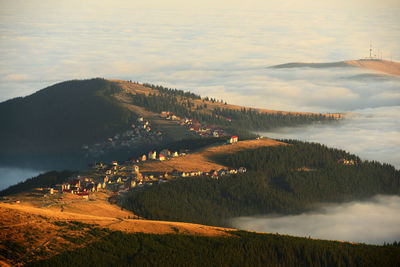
x: 120, y: 178
x: 194, y: 125
x: 141, y: 132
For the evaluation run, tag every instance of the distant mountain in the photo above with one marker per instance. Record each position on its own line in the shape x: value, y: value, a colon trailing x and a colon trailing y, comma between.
x: 341, y: 64
x: 384, y: 66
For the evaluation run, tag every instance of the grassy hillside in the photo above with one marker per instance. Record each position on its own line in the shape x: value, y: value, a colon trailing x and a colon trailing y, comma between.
x: 61, y: 117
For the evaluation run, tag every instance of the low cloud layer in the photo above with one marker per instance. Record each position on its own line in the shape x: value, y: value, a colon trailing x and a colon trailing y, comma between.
x: 374, y: 222
x: 220, y: 51
x: 10, y: 175
x: 373, y: 134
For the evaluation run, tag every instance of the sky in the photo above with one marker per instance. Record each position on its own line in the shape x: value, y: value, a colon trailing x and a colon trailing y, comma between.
x: 203, y: 46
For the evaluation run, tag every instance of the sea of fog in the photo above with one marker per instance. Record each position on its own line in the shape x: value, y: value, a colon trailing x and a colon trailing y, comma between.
x: 373, y: 222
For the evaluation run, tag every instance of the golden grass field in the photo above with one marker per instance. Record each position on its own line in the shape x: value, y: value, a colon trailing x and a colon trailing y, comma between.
x: 200, y: 161
x: 37, y: 225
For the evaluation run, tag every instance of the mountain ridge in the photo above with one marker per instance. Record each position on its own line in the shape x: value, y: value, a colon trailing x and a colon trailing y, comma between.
x: 57, y: 121
x: 382, y: 66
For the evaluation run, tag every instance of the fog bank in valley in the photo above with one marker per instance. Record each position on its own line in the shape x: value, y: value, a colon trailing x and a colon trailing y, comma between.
x: 13, y: 175
x: 374, y: 222
x: 372, y: 134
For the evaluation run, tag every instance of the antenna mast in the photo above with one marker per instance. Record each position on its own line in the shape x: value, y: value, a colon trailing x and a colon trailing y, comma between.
x: 370, y: 50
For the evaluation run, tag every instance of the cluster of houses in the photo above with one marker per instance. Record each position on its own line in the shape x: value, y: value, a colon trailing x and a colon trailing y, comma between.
x: 81, y: 186
x: 122, y: 178
x: 140, y: 132
x: 214, y: 173
x: 347, y: 162
x: 163, y: 155
x: 193, y: 125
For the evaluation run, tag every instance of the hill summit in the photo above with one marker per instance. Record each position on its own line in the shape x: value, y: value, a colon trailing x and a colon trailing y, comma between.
x: 384, y: 66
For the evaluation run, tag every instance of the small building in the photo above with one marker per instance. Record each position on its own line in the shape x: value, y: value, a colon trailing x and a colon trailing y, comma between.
x: 143, y: 158
x: 233, y: 171
x: 136, y: 168
x: 242, y: 170
x: 152, y: 155
x: 165, y: 152
x: 233, y: 139
x: 161, y: 157
x: 66, y: 187
x: 115, y: 163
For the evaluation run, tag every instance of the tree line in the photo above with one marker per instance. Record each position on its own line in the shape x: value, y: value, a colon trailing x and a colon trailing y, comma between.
x: 237, y: 122
x: 239, y: 249
x: 174, y: 92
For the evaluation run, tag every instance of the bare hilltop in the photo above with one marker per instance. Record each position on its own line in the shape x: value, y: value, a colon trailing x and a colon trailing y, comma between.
x: 379, y: 65
x: 385, y: 66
